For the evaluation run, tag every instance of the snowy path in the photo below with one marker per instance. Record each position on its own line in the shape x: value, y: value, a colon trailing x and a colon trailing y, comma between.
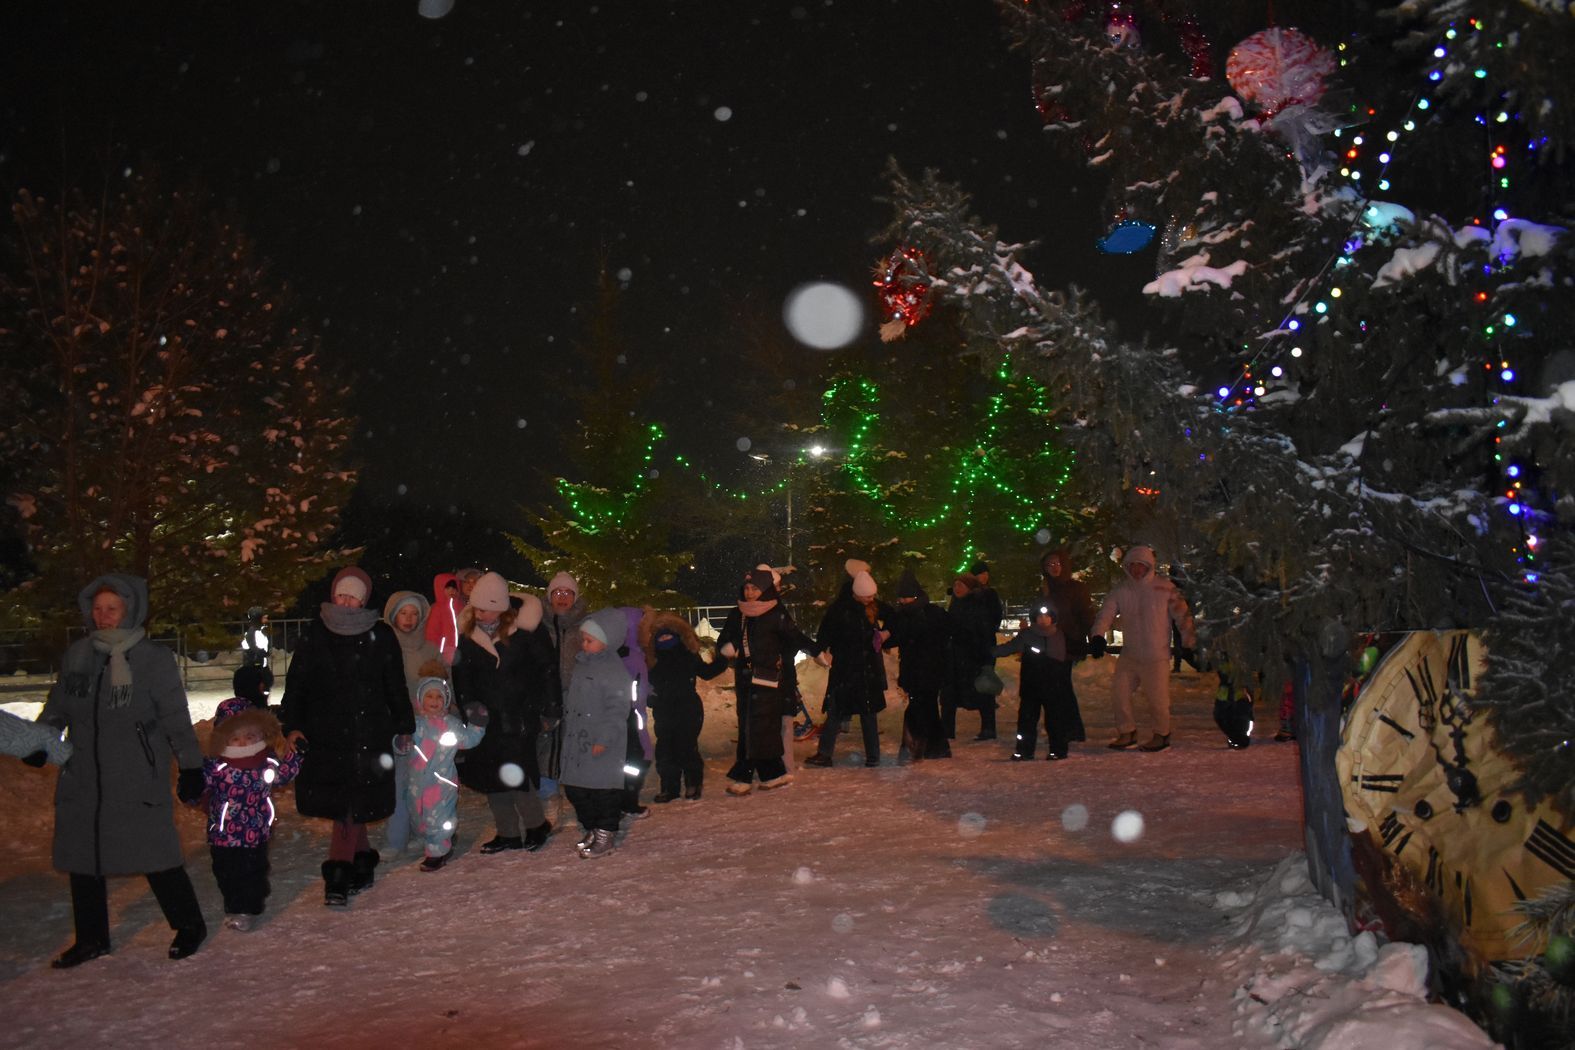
x: 949, y: 904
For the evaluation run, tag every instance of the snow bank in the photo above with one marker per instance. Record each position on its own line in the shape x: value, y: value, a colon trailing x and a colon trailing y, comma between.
x: 1308, y: 984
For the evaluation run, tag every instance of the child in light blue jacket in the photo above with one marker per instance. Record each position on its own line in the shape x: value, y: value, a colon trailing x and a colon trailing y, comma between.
x: 433, y: 789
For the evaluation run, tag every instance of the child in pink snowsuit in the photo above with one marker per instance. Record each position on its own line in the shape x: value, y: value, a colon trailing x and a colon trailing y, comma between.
x: 433, y: 788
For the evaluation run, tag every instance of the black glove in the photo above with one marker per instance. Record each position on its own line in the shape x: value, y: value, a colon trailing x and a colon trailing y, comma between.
x: 1188, y: 654
x: 476, y: 714
x: 37, y: 759
x: 1096, y: 646
x: 190, y: 786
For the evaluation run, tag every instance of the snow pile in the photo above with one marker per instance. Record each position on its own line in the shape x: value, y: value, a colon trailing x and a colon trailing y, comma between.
x: 1406, y: 262
x: 1306, y: 983
x: 1194, y: 273
x: 974, y: 902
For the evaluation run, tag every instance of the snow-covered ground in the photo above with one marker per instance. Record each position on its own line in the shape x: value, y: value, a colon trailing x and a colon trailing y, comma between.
x: 974, y: 902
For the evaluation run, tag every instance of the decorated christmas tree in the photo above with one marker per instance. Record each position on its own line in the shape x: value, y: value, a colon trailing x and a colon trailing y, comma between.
x: 1353, y: 412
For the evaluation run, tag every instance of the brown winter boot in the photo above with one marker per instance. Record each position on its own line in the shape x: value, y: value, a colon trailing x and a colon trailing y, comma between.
x: 1123, y: 741
x: 1157, y: 743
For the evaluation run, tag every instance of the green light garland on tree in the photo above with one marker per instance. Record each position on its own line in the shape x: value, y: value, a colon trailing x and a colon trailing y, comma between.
x: 1017, y: 482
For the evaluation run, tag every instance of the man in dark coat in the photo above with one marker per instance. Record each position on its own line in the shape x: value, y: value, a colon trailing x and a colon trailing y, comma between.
x: 1069, y: 597
x: 345, y: 698
x: 974, y: 619
x: 920, y: 634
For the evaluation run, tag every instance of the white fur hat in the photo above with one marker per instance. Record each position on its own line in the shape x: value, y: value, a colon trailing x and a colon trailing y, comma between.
x: 864, y: 584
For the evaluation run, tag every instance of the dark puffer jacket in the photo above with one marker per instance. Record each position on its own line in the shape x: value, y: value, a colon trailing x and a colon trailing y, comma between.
x: 519, y: 688
x: 857, y: 682
x: 346, y: 694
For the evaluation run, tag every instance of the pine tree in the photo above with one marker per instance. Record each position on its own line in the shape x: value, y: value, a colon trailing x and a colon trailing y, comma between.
x: 610, y: 523
x: 1348, y: 373
x: 942, y: 450
x: 164, y: 415
x: 1355, y: 412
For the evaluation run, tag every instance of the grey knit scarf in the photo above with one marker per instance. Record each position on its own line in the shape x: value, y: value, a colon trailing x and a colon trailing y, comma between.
x: 342, y: 619
x: 115, y: 642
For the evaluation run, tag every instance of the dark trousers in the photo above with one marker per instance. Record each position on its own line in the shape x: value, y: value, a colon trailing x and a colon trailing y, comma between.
x: 921, y: 725
x: 678, y: 758
x: 171, y: 888
x: 949, y: 714
x: 634, y: 758
x: 867, y: 725
x: 597, y: 809
x: 242, y: 875
x: 1049, y: 695
x: 759, y: 751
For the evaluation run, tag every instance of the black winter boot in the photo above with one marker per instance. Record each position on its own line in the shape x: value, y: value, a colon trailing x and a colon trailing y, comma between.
x: 176, y: 896
x: 362, y: 870
x: 536, y: 837
x: 336, y: 883
x: 90, y: 910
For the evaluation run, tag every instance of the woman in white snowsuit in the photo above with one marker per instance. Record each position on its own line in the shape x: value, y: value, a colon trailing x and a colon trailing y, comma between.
x: 1145, y: 605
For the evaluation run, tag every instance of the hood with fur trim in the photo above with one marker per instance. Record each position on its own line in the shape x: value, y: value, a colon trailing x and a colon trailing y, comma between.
x: 249, y: 718
x: 658, y: 623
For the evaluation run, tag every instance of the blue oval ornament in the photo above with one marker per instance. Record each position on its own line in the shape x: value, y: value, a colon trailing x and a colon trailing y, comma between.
x: 1126, y: 237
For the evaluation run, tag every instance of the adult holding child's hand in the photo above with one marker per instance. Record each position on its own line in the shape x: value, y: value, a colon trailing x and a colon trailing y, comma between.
x: 120, y: 700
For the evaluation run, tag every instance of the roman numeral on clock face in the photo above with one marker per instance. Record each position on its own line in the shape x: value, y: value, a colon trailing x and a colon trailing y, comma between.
x: 1552, y: 848
x: 1389, y: 782
x: 1397, y: 727
x: 1394, y: 834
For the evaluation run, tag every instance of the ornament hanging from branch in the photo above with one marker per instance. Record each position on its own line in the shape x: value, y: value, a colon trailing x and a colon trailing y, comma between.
x: 1121, y: 28
x: 1126, y: 236
x: 1275, y: 69
x: 902, y: 284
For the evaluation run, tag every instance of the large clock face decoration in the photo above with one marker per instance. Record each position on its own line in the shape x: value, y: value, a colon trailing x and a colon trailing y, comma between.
x: 1420, y: 771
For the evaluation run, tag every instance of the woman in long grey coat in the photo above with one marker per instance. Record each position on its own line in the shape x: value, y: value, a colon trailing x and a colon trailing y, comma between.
x: 120, y: 701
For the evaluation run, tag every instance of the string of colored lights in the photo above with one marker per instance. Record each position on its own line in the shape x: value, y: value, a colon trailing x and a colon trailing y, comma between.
x: 1235, y: 394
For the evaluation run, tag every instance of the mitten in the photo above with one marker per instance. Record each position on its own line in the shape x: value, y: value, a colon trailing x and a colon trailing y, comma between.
x: 1188, y: 654
x: 190, y: 785
x: 37, y: 758
x: 402, y: 744
x: 1096, y: 646
x: 476, y: 714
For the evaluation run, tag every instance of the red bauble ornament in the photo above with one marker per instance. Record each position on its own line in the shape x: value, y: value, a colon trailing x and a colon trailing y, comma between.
x: 1277, y: 68
x: 902, y: 284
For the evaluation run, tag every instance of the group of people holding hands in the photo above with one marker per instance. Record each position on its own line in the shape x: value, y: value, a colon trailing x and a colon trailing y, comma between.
x: 385, y: 714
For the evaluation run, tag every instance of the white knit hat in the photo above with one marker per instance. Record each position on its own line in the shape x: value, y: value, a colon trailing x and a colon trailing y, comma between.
x: 564, y: 582
x: 864, y: 585
x: 491, y: 593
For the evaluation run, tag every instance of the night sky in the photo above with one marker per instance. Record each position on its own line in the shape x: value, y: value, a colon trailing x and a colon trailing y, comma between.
x: 443, y: 193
